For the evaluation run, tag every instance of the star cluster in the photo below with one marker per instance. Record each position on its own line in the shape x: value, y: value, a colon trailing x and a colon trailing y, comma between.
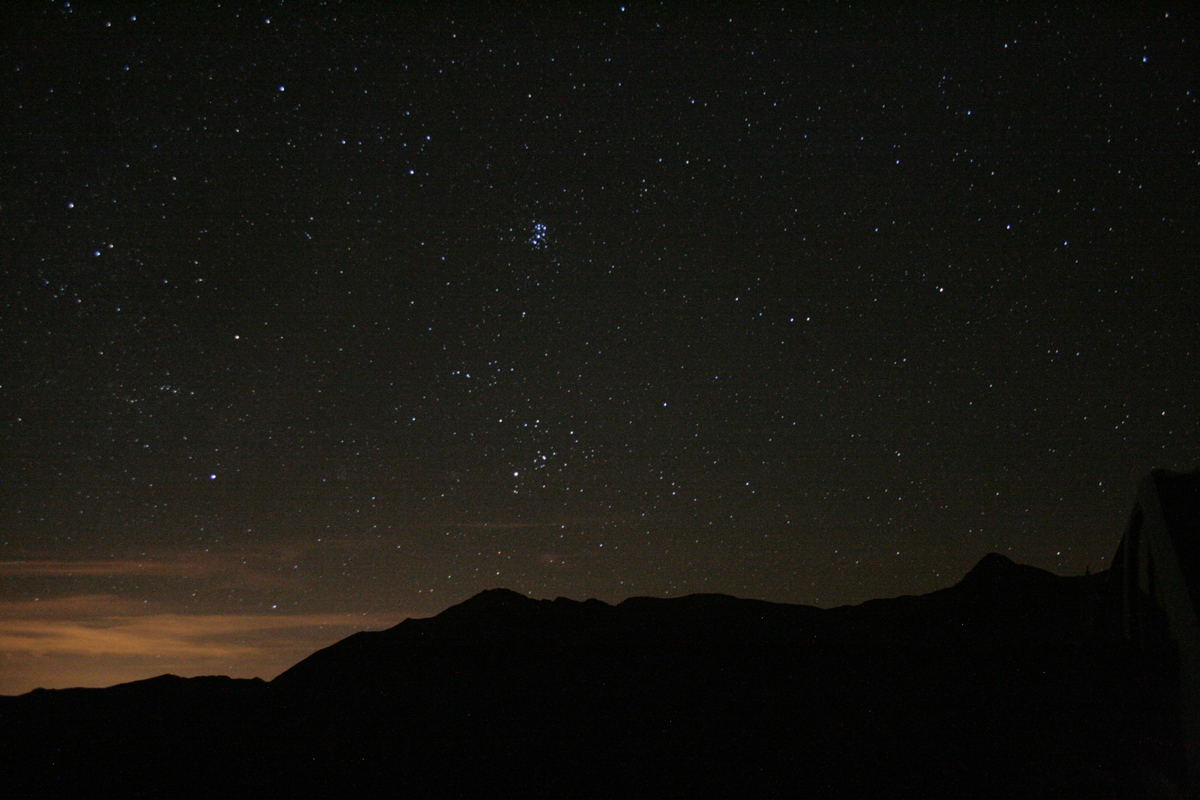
x: 334, y: 314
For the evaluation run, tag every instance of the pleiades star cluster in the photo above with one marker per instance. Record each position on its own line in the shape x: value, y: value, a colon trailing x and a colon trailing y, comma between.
x: 317, y: 316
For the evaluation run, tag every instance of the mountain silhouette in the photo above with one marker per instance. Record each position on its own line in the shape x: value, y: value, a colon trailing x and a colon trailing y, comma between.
x: 503, y: 644
x: 1009, y: 683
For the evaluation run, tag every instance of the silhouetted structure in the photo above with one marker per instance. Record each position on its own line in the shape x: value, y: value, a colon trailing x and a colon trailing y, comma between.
x: 1156, y: 571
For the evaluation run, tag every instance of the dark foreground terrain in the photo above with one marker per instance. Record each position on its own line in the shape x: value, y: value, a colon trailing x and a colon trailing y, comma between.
x: 1009, y: 684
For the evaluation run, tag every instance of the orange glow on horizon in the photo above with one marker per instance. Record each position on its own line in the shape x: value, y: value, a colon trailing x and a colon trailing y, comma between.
x: 100, y: 640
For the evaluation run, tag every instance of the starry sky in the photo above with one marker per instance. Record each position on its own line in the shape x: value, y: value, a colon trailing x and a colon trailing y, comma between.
x: 317, y: 317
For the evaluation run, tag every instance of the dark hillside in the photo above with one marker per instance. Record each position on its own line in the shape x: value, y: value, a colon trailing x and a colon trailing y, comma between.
x: 1006, y: 684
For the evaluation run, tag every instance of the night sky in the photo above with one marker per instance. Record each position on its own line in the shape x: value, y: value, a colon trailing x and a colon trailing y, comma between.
x: 313, y: 318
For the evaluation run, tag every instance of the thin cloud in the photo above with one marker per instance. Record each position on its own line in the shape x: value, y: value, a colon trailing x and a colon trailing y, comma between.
x: 165, y: 635
x: 100, y: 568
x: 73, y: 607
x: 98, y: 640
x: 560, y: 523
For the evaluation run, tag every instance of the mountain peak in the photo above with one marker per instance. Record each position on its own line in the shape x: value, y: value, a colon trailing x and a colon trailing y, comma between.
x: 992, y: 564
x: 996, y: 570
x: 497, y: 596
x: 490, y: 600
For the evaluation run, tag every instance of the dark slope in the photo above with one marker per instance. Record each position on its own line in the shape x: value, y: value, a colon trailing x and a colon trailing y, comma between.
x: 1003, y: 685
x: 502, y: 644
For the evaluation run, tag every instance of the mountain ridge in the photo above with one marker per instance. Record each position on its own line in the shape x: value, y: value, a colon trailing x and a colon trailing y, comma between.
x: 502, y: 643
x: 1004, y: 684
x: 994, y: 573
